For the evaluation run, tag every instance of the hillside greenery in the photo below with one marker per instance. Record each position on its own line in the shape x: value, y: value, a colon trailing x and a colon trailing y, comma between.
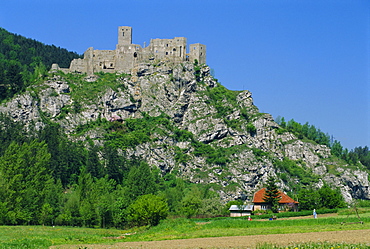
x: 310, y: 132
x: 47, y: 179
x: 23, y: 59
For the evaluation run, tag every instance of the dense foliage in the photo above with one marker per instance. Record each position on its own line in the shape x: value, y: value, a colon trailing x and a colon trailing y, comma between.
x: 22, y: 60
x: 47, y: 179
x: 325, y: 197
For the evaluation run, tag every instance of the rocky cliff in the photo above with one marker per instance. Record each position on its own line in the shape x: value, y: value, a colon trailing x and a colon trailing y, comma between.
x: 223, y: 140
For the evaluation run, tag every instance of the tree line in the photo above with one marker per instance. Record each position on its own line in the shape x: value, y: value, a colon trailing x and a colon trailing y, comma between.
x: 47, y: 179
x: 358, y: 154
x: 23, y: 59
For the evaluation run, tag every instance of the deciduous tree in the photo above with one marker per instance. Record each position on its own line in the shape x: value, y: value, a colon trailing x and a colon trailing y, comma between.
x: 147, y: 210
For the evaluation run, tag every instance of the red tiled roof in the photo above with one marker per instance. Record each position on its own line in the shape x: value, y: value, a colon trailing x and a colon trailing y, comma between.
x: 258, y: 197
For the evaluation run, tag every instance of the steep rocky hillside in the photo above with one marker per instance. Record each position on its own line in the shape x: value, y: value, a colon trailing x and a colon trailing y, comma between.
x: 180, y: 119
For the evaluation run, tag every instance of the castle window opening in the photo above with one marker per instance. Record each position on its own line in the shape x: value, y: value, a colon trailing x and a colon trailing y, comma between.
x: 174, y: 49
x: 111, y: 64
x: 135, y: 55
x: 166, y: 45
x: 166, y: 53
x: 123, y: 33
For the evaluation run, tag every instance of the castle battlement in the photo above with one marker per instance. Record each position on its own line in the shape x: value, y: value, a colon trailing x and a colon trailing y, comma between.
x: 127, y: 55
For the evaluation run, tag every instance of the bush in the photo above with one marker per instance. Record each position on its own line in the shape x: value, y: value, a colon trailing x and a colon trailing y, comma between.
x: 147, y: 210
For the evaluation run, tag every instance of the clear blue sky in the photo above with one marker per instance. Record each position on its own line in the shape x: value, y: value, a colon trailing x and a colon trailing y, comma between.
x: 302, y: 59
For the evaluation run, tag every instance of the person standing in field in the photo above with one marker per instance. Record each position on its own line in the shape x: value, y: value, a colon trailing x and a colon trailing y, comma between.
x: 314, y: 213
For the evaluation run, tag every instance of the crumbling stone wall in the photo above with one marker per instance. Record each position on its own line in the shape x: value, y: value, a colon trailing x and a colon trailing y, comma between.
x: 127, y: 55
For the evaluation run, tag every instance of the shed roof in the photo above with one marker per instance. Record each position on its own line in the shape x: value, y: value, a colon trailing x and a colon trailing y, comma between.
x: 244, y: 208
x: 258, y: 197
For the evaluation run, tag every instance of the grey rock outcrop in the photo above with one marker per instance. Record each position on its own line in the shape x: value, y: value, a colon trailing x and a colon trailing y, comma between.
x: 178, y: 91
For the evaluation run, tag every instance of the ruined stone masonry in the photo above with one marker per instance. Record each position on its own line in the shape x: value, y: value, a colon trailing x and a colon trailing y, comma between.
x: 127, y: 55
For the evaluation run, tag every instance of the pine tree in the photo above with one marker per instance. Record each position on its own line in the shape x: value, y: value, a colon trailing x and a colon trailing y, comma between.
x: 272, y: 195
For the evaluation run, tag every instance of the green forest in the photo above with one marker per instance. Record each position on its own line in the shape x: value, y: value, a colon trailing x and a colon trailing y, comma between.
x: 22, y: 60
x: 46, y: 179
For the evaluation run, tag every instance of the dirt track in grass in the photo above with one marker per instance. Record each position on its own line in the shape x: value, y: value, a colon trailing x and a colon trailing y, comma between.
x: 349, y: 236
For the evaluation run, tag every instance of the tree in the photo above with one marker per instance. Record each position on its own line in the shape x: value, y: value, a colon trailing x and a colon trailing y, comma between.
x: 211, y: 207
x: 147, y: 210
x: 325, y: 197
x: 330, y: 198
x: 140, y: 181
x: 336, y: 149
x: 24, y: 177
x: 308, y: 199
x: 93, y: 165
x: 272, y: 194
x: 115, y: 164
x: 191, y: 202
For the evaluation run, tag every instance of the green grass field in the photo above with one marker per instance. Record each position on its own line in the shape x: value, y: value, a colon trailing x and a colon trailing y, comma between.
x: 43, y: 236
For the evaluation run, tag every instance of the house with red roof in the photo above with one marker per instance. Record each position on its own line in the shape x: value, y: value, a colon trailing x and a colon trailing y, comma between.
x: 285, y: 203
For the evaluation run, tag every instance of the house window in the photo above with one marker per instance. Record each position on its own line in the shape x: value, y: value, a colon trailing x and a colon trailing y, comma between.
x: 264, y: 207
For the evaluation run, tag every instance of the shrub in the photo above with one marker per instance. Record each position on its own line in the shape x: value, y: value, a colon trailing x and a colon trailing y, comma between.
x: 147, y: 210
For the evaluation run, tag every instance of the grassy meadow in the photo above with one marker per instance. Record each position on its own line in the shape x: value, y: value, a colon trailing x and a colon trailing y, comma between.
x: 45, y: 236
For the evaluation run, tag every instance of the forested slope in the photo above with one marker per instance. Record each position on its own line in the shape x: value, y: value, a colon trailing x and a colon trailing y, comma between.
x: 20, y: 56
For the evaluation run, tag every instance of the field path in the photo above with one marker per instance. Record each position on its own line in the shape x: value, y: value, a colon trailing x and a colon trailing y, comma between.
x: 251, y: 241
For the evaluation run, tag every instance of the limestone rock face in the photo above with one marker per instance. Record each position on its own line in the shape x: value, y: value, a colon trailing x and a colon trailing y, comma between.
x: 252, y: 142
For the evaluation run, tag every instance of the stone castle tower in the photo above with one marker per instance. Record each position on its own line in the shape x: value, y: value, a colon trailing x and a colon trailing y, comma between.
x: 127, y: 55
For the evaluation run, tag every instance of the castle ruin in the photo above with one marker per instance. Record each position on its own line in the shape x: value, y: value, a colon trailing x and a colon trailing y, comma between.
x: 127, y: 55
